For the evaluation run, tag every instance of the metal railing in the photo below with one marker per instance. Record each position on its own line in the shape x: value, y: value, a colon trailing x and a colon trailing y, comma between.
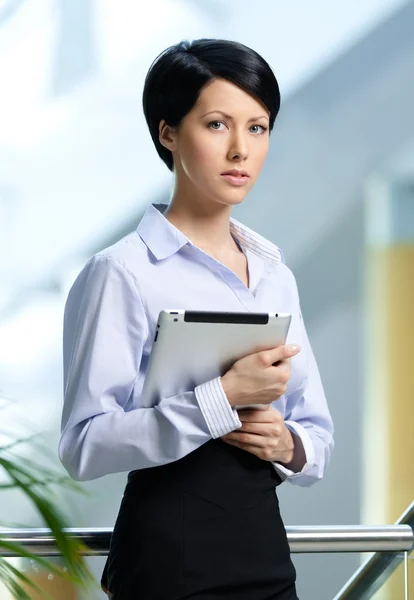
x: 369, y: 578
x: 390, y: 544
x: 394, y: 538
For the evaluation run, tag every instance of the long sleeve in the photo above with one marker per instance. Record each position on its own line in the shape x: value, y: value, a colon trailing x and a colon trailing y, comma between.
x: 105, y: 329
x: 307, y: 414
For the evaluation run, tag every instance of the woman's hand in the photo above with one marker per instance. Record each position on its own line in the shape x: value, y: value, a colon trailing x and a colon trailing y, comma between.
x: 264, y: 434
x: 259, y: 378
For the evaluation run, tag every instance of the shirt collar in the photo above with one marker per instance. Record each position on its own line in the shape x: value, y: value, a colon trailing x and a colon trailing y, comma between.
x: 163, y: 239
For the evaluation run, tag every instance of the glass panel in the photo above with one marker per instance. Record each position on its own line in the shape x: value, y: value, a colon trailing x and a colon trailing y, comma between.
x: 400, y: 580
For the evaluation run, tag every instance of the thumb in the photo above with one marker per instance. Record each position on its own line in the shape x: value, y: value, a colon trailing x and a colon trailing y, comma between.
x: 270, y: 357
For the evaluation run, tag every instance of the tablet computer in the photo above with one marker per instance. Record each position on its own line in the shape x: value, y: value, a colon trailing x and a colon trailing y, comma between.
x: 192, y: 347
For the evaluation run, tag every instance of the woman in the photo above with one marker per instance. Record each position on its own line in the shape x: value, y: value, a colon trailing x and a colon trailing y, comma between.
x: 199, y: 517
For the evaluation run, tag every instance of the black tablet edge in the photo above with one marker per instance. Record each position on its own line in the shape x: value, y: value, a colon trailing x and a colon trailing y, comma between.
x: 199, y: 316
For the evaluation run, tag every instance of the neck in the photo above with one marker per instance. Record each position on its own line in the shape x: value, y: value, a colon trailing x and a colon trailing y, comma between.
x: 207, y: 225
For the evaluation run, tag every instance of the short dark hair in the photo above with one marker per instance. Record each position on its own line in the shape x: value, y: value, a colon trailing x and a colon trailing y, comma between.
x: 177, y: 76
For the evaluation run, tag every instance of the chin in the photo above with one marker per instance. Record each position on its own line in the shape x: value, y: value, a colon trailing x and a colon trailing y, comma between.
x: 236, y: 198
x: 232, y: 197
x: 234, y: 201
x: 226, y: 197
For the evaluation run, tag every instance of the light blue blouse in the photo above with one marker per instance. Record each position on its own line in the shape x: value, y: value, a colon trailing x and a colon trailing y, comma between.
x: 109, y: 325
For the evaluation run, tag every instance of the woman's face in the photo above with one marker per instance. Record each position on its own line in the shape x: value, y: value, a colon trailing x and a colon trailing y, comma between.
x: 227, y: 130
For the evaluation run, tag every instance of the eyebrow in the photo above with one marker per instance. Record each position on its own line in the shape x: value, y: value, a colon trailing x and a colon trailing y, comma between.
x: 226, y: 116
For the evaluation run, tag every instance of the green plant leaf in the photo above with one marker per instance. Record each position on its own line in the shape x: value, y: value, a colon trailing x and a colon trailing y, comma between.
x: 35, y: 483
x: 21, y: 551
x: 11, y: 577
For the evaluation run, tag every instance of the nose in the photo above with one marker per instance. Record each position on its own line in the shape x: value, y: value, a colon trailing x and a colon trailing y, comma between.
x: 238, y: 149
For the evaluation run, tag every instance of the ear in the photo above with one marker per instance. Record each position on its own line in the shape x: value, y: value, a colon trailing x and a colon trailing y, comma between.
x: 167, y: 135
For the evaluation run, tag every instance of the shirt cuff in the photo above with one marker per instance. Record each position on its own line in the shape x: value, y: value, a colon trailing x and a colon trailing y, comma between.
x: 220, y: 416
x: 307, y: 446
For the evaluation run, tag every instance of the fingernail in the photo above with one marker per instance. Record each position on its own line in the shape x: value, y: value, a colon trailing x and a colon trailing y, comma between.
x: 293, y: 347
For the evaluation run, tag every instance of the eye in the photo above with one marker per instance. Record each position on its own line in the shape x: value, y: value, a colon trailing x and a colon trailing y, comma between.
x: 261, y: 128
x: 213, y: 125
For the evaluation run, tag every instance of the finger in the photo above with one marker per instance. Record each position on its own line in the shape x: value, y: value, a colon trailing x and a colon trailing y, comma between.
x: 269, y: 430
x: 251, y: 439
x: 252, y: 449
x: 271, y: 415
x: 274, y: 355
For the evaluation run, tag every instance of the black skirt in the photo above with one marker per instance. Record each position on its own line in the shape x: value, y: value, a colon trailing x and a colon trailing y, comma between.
x: 206, y: 527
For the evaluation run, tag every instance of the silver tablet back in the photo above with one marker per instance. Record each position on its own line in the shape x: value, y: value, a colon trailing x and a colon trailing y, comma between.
x: 192, y: 347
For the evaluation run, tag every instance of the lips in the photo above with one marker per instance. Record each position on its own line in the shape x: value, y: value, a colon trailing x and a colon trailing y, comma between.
x: 236, y: 173
x: 235, y: 177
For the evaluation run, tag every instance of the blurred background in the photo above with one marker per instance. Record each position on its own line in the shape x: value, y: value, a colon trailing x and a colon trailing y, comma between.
x: 78, y: 168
